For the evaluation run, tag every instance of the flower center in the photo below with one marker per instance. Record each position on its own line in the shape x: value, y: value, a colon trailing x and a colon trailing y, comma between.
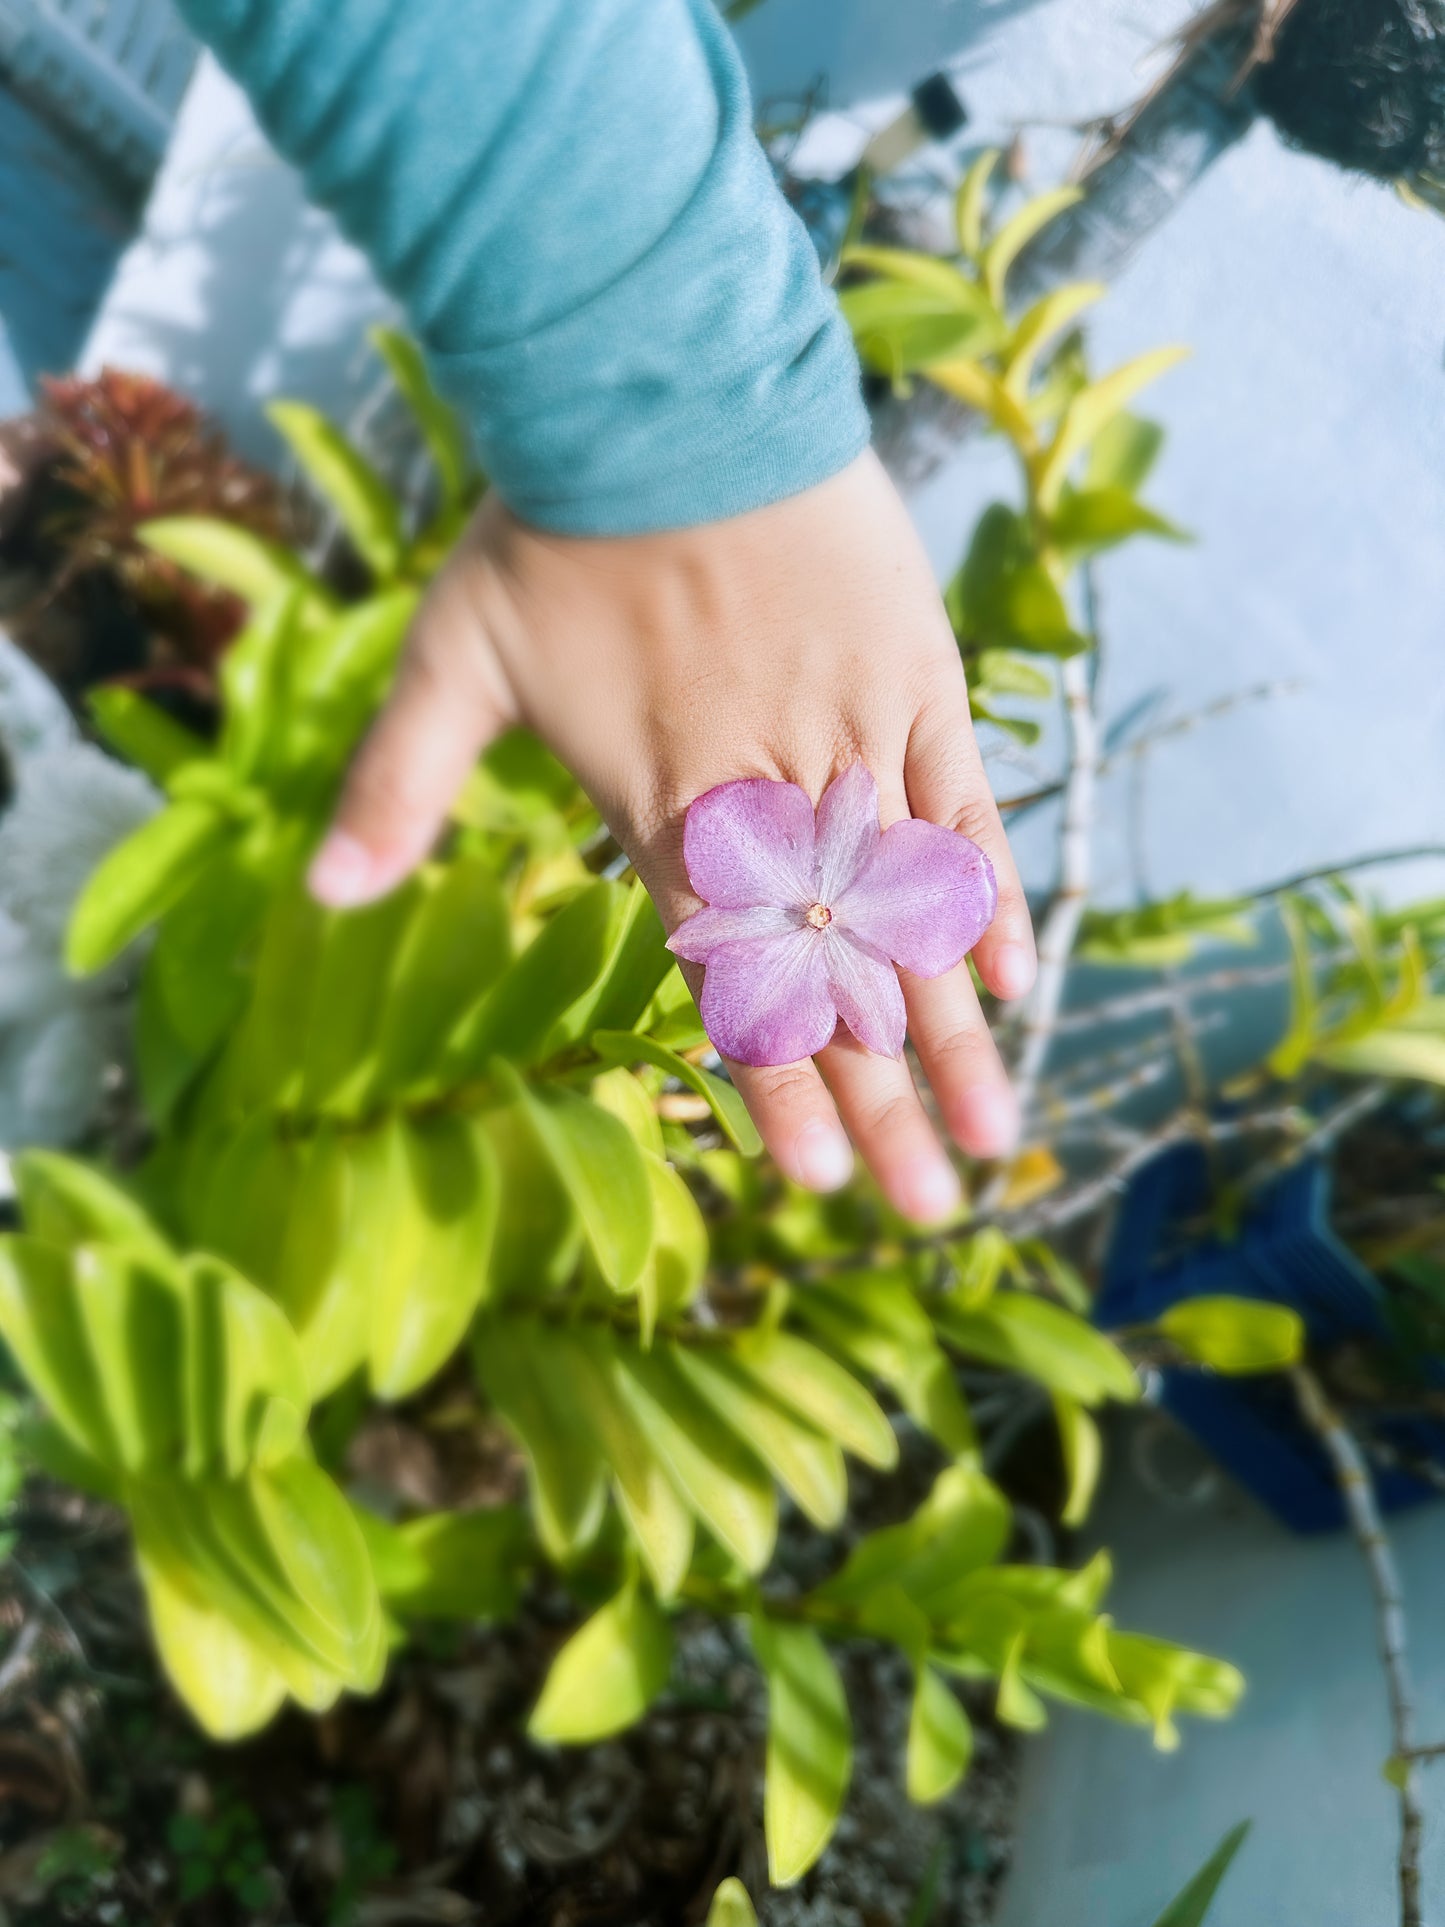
x: 818, y: 916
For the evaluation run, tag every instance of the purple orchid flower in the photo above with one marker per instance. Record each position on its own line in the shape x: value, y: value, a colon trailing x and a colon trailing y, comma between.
x: 807, y: 916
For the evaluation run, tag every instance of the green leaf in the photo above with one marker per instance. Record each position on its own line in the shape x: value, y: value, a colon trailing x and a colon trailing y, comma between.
x: 41, y: 1322
x: 365, y: 506
x: 1015, y: 234
x: 810, y: 1746
x: 533, y: 1389
x: 1083, y: 1456
x: 970, y: 202
x: 254, y: 674
x: 722, y: 1099
x: 140, y: 880
x: 232, y: 558
x: 563, y: 963
x: 1091, y: 410
x: 656, y: 1514
x: 823, y: 1391
x: 457, y: 943
x: 809, y: 1465
x: 608, y: 1674
x: 347, y: 1000
x: 1234, y: 1335
x: 962, y: 1526
x: 1088, y: 520
x: 538, y: 1239
x: 940, y: 1739
x: 925, y: 272
x: 1006, y: 597
x: 637, y: 961
x: 1123, y: 453
x: 1043, y: 321
x: 142, y: 732
x: 602, y: 1171
x: 66, y: 1201
x: 452, y: 1565
x: 225, y: 1679
x: 677, y: 1262
x: 1191, y: 1906
x: 1018, y: 1332
x: 333, y: 678
x: 715, y: 1470
x: 1413, y: 1046
x: 731, y: 1906
x: 440, y: 427
x: 434, y: 1271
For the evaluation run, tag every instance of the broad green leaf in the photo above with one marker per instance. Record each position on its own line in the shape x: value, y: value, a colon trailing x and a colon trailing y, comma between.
x: 978, y: 387
x: 224, y: 1678
x: 452, y: 1565
x: 1006, y: 598
x: 456, y: 945
x: 1083, y: 1456
x: 1190, y: 1907
x: 139, y: 881
x: 365, y: 506
x: 314, y: 1534
x: 1234, y: 1335
x: 539, y: 1236
x: 940, y: 1739
x: 335, y: 676
x: 970, y: 202
x: 808, y: 1464
x: 232, y: 558
x: 673, y: 1273
x: 731, y: 1906
x: 440, y: 426
x: 1123, y: 453
x: 962, y: 1525
x: 608, y: 1674
x: 132, y: 1314
x: 877, y: 1324
x: 66, y: 1201
x: 434, y: 1272
x: 715, y: 1470
x: 537, y: 989
x: 626, y: 1098
x: 602, y: 1171
x: 350, y: 995
x: 1412, y: 1045
x: 254, y: 677
x: 1048, y: 316
x: 1015, y: 234
x: 656, y: 1515
x: 636, y: 964
x: 1090, y: 411
x: 41, y: 1322
x: 533, y: 1390
x: 1017, y: 1704
x: 267, y: 1054
x: 924, y: 271
x: 1090, y: 519
x: 825, y: 1392
x: 722, y: 1099
x: 247, y: 1392
x: 810, y: 1746
x: 142, y: 732
x: 1018, y: 1332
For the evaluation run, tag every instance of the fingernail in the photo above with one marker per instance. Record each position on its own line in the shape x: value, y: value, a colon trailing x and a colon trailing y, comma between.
x: 342, y: 873
x: 986, y: 1121
x: 824, y: 1156
x: 1014, y: 970
x: 930, y: 1191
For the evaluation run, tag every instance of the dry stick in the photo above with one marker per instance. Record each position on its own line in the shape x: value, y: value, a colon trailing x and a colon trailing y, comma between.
x: 1142, y: 1003
x: 1358, y: 1496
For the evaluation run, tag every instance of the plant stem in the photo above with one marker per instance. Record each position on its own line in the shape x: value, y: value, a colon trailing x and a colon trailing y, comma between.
x: 1358, y: 1496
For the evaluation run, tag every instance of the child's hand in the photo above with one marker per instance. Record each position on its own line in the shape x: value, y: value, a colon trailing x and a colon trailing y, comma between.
x: 785, y: 643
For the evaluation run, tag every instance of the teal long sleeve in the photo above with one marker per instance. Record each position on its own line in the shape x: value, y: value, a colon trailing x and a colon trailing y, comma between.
x: 568, y: 200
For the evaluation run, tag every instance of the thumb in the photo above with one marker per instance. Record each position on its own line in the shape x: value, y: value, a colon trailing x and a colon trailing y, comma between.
x: 450, y: 700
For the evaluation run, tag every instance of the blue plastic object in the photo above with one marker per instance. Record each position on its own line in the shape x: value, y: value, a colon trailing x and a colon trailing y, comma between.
x: 1287, y: 1254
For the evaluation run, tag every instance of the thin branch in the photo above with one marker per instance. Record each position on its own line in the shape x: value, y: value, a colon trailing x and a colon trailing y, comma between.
x: 1358, y: 1496
x: 1142, y: 1003
x: 17, y: 1662
x: 1193, y: 719
x: 1410, y: 853
x: 1335, y: 1123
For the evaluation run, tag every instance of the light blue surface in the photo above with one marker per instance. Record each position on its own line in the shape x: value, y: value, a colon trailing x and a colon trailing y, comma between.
x: 571, y: 206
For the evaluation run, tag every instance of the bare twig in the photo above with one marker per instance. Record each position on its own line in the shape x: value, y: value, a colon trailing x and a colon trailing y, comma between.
x: 1410, y: 853
x: 16, y: 1665
x: 1358, y: 1496
x: 1341, y: 1118
x: 1144, y: 1002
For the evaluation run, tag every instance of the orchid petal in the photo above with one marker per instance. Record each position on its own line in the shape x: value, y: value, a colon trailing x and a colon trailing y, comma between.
x: 847, y: 830
x: 767, y: 1001
x: 924, y: 898
x: 865, y: 987
x: 750, y: 843
x: 699, y: 935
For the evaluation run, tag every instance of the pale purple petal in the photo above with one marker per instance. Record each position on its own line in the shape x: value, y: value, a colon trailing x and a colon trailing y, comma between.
x: 847, y: 830
x: 866, y: 989
x: 924, y: 898
x: 767, y: 1001
x: 750, y: 842
x: 700, y: 934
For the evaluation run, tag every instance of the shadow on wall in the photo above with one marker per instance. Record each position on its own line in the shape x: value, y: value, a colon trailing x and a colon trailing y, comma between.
x: 236, y: 290
x: 863, y: 51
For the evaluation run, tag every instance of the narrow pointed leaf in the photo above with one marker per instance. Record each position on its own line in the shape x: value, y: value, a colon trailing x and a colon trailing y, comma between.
x: 810, y: 1747
x: 722, y: 1099
x: 608, y: 1674
x: 365, y: 506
